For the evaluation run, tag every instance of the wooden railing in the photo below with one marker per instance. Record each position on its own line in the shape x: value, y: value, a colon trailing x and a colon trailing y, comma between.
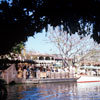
x: 55, y: 75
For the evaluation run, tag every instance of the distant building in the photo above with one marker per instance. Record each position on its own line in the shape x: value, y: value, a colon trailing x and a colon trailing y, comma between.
x: 45, y: 59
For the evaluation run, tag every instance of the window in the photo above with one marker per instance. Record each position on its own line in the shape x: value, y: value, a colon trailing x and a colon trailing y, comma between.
x: 47, y: 58
x: 41, y: 58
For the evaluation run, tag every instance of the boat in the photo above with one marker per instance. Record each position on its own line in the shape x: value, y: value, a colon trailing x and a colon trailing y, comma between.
x: 49, y: 80
x: 89, y: 74
x: 86, y: 79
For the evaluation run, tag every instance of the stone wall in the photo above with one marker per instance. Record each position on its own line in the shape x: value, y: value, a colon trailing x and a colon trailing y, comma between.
x: 10, y: 74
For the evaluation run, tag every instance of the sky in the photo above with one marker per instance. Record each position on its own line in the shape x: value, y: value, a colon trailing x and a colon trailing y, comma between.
x: 40, y: 43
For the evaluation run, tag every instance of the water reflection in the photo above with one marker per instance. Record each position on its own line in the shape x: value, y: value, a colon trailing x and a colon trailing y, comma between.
x: 54, y: 91
x: 3, y: 92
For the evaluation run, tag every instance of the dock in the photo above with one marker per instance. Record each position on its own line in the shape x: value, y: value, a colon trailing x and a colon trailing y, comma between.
x: 48, y: 80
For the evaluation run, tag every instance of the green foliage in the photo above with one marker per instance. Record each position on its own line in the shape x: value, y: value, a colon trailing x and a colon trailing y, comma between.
x: 22, y: 18
x: 18, y: 48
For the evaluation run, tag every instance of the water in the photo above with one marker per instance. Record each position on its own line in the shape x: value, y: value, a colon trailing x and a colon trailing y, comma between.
x: 54, y: 91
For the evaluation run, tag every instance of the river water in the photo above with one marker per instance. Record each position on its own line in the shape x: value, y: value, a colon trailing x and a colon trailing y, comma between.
x: 54, y: 91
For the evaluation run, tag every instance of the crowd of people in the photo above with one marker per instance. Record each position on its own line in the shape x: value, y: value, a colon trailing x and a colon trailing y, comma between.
x: 25, y: 71
x: 31, y: 71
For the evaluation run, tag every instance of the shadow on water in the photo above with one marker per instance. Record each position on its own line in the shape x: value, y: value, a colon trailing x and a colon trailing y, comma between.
x: 3, y: 90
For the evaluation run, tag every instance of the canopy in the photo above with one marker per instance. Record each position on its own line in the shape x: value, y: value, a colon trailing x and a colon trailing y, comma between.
x: 91, y: 67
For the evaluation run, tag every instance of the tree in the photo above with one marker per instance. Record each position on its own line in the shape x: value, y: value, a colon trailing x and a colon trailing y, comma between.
x: 22, y: 18
x: 18, y: 48
x: 71, y: 46
x: 15, y: 53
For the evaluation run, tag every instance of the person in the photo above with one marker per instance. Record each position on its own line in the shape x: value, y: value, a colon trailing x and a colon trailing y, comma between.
x: 48, y: 72
x: 73, y: 71
x: 38, y: 73
x: 28, y: 72
x: 24, y: 72
x: 52, y: 69
x: 20, y: 72
x: 31, y: 72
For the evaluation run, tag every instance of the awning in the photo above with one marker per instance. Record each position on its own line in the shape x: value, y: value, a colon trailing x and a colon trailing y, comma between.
x: 57, y: 65
x: 90, y: 67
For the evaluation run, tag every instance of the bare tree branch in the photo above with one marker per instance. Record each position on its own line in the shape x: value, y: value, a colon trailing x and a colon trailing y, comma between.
x: 71, y: 45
